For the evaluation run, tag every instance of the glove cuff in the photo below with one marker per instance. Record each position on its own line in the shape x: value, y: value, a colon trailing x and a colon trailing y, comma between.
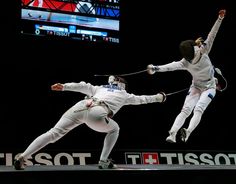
x: 164, y: 97
x: 155, y: 68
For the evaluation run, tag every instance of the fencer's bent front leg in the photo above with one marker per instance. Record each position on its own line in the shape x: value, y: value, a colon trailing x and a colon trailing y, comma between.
x: 110, y: 140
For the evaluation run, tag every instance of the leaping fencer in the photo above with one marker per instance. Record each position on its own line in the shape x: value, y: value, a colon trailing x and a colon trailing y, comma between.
x: 96, y: 111
x: 203, y: 88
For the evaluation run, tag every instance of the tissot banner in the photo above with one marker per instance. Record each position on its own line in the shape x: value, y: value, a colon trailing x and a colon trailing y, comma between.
x: 83, y: 157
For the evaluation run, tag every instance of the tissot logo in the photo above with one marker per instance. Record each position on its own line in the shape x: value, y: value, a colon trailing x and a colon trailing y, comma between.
x: 150, y: 158
x: 141, y: 158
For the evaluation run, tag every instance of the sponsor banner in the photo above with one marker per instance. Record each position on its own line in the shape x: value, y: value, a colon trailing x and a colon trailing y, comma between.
x: 190, y: 157
x: 181, y: 158
x: 52, y: 158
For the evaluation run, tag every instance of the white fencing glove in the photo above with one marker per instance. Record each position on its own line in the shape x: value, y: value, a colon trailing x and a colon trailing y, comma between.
x: 161, y: 97
x: 151, y: 69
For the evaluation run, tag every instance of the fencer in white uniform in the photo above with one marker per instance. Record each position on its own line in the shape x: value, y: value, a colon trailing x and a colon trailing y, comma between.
x: 96, y: 111
x: 203, y: 88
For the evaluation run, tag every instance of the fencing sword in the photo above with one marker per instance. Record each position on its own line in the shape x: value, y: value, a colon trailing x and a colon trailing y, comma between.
x: 179, y: 91
x: 124, y: 74
x: 138, y: 72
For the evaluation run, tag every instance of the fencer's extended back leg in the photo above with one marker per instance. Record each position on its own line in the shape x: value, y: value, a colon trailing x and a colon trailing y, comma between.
x: 63, y: 126
x: 38, y: 144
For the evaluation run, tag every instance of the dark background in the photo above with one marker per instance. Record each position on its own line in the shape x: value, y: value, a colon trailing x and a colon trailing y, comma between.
x: 150, y: 33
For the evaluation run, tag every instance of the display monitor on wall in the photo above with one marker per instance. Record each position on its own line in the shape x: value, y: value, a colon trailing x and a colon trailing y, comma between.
x: 82, y: 20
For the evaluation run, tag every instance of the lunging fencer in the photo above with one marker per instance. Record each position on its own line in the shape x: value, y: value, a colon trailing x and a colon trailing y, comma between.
x: 96, y: 111
x: 203, y: 88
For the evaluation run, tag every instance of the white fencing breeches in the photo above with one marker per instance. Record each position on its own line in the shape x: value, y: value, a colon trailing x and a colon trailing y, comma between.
x: 196, y: 101
x: 95, y: 117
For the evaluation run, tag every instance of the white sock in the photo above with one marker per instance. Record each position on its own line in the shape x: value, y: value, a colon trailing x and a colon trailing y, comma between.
x: 109, y: 143
x: 194, y: 121
x: 37, y: 144
x: 179, y: 121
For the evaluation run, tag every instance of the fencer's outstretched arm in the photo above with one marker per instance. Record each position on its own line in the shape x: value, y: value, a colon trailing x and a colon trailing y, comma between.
x: 175, y: 65
x: 212, y: 34
x: 145, y: 99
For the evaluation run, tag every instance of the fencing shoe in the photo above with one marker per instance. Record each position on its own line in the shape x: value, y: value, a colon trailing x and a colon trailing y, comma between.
x: 184, y: 134
x: 172, y: 137
x: 106, y: 164
x: 19, y: 163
